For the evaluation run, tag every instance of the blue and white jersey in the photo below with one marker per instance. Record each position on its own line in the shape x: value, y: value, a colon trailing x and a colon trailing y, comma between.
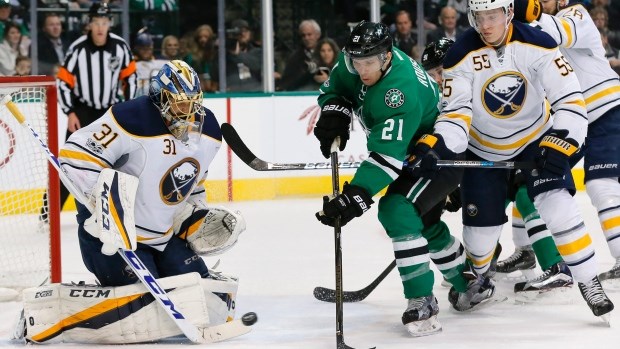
x: 131, y: 137
x: 494, y: 101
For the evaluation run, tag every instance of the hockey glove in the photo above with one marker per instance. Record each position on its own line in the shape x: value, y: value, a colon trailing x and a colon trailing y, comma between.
x: 335, y: 121
x: 453, y: 201
x: 555, y: 149
x: 423, y: 159
x: 527, y: 11
x: 351, y: 203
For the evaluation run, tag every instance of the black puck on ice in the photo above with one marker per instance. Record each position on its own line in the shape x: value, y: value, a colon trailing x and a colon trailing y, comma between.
x: 249, y: 319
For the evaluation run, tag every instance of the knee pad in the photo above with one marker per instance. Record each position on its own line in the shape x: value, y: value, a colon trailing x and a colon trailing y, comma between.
x: 399, y: 217
x: 604, y: 193
x: 480, y: 243
x: 558, y: 210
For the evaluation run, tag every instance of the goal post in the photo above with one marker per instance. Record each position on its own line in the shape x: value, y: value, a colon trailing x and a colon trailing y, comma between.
x: 29, y: 186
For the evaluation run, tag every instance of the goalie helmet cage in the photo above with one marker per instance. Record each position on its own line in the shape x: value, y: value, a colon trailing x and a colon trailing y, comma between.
x: 29, y: 186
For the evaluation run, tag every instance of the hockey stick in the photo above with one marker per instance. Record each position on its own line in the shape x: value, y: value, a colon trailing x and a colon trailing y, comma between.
x: 193, y: 333
x: 328, y: 295
x: 245, y: 154
x: 338, y: 250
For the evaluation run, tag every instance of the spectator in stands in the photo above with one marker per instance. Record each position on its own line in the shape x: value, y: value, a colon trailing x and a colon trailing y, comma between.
x: 23, y: 66
x: 404, y: 37
x: 10, y: 48
x: 326, y: 57
x: 448, y: 28
x: 611, y: 13
x: 201, y: 55
x: 301, y: 66
x: 601, y: 18
x: 52, y: 45
x: 5, y: 17
x: 146, y: 64
x: 611, y: 53
x: 170, y: 49
x: 244, y: 59
x: 461, y: 8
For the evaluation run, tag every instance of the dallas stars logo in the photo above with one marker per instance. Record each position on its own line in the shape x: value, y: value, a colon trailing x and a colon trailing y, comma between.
x: 394, y: 98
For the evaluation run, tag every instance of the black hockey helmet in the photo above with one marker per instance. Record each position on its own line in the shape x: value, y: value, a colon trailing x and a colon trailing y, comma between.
x: 368, y: 39
x: 99, y: 9
x: 435, y: 52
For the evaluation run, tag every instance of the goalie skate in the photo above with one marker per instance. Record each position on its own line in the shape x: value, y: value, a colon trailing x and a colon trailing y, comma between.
x: 420, y: 317
x: 611, y: 278
x: 597, y: 300
x: 518, y: 267
x: 480, y: 293
x: 550, y: 286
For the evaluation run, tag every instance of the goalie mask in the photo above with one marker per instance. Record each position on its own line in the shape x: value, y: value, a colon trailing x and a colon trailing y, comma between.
x: 176, y: 92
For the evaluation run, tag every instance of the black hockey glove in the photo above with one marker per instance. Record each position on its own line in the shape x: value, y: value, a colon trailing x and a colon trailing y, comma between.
x: 335, y: 121
x: 555, y: 149
x: 453, y: 202
x: 423, y: 159
x: 351, y: 203
x: 527, y: 11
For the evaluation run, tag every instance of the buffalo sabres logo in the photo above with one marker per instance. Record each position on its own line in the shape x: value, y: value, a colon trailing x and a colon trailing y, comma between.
x: 179, y: 181
x: 472, y: 210
x: 394, y: 98
x: 504, y: 95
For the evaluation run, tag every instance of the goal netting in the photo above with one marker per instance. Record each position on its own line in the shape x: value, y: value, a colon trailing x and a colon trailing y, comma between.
x: 29, y: 187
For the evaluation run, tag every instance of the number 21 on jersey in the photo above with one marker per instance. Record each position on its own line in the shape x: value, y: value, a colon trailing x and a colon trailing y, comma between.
x: 389, y: 130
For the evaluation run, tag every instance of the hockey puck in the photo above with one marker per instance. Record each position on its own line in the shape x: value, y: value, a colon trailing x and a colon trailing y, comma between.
x: 249, y: 319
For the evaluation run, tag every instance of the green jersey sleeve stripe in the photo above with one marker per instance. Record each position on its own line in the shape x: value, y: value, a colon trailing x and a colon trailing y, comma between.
x: 389, y: 165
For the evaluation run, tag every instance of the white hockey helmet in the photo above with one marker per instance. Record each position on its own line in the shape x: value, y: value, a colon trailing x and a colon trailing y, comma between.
x: 485, y: 5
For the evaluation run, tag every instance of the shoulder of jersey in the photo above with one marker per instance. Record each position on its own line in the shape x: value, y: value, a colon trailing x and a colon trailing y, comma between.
x: 115, y: 37
x: 530, y: 35
x: 469, y: 41
x: 211, y: 127
x: 139, y: 117
x: 79, y: 41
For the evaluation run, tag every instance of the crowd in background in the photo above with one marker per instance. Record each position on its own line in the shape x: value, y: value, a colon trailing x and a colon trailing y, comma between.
x: 301, y: 68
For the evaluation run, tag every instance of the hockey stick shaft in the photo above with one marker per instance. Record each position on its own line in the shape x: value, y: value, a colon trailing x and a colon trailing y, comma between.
x: 328, y: 295
x: 247, y: 156
x: 139, y: 269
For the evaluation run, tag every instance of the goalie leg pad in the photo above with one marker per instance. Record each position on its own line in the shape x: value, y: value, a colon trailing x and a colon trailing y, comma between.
x: 221, y: 294
x: 112, y: 315
x: 209, y: 231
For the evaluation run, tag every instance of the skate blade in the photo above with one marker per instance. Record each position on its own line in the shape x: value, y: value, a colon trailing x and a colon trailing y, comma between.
x: 516, y: 276
x: 606, y: 318
x: 612, y: 285
x: 424, y: 327
x: 555, y: 296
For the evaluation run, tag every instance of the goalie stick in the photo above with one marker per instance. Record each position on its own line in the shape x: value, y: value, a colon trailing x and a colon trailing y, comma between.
x: 193, y: 333
x: 328, y: 295
x: 245, y: 154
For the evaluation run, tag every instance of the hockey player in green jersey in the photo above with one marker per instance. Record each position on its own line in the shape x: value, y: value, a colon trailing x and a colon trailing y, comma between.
x: 396, y: 102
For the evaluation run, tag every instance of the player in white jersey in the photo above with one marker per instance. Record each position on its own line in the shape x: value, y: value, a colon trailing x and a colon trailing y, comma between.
x: 167, y: 140
x: 571, y: 26
x: 496, y: 78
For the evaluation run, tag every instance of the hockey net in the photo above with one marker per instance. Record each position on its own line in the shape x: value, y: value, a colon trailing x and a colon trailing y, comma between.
x: 29, y: 188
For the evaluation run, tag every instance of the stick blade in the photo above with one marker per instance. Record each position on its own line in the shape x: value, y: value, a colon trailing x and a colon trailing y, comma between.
x: 240, y: 149
x: 328, y: 295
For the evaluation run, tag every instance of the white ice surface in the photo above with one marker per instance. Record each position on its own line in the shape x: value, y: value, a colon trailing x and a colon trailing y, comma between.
x: 285, y: 253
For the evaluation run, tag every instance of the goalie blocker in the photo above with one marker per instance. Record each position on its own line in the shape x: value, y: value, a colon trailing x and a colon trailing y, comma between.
x: 127, y: 314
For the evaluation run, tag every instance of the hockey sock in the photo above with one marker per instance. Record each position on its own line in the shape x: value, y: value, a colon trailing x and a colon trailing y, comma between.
x: 403, y: 224
x: 544, y: 247
x: 447, y: 253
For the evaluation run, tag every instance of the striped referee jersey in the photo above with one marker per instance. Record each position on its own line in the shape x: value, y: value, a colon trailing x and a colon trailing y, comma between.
x: 90, y: 74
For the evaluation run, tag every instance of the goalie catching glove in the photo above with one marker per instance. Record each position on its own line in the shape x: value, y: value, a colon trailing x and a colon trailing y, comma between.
x: 351, y: 203
x: 335, y: 121
x: 555, y: 150
x: 112, y: 220
x: 423, y: 159
x: 208, y: 231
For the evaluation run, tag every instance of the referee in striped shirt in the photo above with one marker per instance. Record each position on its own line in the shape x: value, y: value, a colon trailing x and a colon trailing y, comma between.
x: 88, y: 81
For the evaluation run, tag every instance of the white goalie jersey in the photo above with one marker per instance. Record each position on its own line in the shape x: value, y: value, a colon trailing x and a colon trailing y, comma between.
x: 127, y: 138
x: 508, y: 110
x: 580, y: 41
